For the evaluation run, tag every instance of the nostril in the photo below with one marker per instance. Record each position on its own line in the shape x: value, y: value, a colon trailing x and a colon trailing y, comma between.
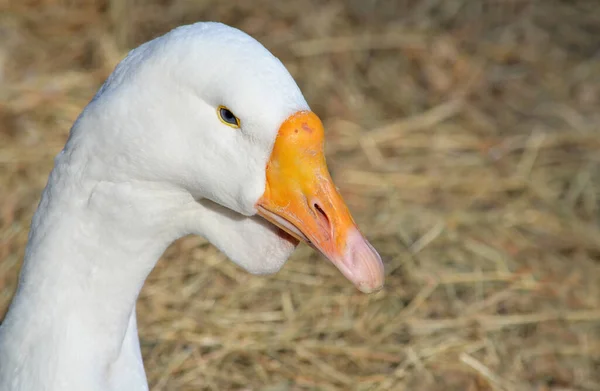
x: 322, y: 218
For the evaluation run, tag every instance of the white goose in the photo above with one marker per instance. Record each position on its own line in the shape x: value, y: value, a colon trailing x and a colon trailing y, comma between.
x: 196, y: 132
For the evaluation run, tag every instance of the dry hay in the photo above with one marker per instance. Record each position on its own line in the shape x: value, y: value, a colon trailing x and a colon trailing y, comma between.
x: 463, y: 135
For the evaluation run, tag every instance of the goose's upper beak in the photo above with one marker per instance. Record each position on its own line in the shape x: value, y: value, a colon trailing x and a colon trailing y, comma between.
x: 301, y: 199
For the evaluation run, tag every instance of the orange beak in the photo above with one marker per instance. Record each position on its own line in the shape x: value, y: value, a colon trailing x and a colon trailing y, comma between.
x: 301, y: 199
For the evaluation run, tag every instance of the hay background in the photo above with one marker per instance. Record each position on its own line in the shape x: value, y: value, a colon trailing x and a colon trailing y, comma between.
x: 464, y: 137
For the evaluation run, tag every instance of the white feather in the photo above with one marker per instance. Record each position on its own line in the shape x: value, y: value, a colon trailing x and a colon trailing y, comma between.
x: 148, y: 161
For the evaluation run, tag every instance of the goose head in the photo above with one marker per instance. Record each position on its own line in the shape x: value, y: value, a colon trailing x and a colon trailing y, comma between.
x: 208, y: 111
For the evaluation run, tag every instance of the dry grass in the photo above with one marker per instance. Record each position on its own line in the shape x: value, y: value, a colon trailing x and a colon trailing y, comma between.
x: 465, y: 138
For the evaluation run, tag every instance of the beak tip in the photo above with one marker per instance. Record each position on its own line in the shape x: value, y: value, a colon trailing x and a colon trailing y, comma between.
x: 375, y: 280
x: 368, y: 288
x: 363, y: 264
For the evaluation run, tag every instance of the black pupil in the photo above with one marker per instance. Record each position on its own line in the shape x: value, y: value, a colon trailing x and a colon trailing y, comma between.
x: 228, y: 116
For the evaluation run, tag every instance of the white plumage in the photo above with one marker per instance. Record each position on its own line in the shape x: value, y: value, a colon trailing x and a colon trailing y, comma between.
x: 147, y: 162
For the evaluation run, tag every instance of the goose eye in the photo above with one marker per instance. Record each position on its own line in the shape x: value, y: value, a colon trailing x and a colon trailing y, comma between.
x: 228, y: 117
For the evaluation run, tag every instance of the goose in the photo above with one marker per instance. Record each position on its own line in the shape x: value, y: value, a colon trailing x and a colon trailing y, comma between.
x: 200, y: 131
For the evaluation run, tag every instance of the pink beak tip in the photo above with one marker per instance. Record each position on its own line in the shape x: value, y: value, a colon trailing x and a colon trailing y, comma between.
x: 362, y: 264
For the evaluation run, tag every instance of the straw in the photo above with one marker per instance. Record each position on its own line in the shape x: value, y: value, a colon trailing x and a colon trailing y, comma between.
x: 465, y: 138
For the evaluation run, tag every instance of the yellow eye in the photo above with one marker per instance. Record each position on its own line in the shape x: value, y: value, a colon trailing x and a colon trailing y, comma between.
x: 227, y: 117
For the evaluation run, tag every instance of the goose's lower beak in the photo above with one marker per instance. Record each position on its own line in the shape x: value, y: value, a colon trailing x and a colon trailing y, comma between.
x: 301, y: 199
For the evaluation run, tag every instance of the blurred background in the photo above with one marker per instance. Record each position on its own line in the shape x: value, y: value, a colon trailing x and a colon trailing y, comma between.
x: 464, y: 135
